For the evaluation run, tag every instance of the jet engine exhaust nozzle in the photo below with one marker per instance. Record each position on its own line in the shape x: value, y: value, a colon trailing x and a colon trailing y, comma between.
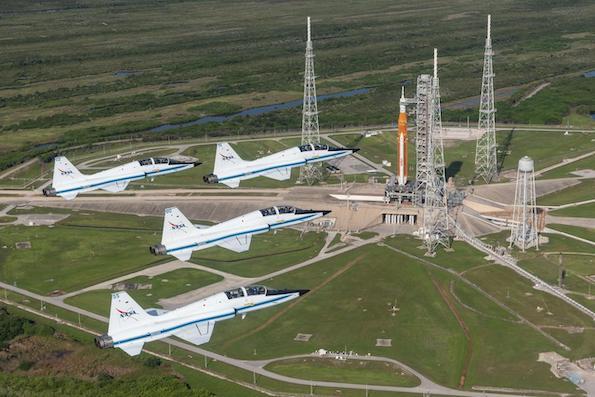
x: 211, y: 178
x: 49, y: 192
x: 104, y: 341
x: 158, y: 249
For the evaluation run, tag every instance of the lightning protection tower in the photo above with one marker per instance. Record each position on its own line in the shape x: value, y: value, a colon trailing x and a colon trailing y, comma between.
x: 524, y: 213
x: 485, y: 151
x: 435, y: 206
x: 310, y: 173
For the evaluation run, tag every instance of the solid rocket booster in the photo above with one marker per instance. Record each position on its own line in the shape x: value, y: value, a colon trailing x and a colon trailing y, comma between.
x: 402, y: 141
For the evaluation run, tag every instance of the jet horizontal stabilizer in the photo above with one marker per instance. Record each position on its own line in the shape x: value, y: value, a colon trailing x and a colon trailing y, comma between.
x: 133, y: 349
x: 232, y: 183
x: 183, y: 255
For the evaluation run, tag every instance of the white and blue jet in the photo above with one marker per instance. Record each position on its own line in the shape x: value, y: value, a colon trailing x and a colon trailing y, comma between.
x: 230, y: 169
x: 130, y: 327
x: 180, y: 237
x: 68, y: 181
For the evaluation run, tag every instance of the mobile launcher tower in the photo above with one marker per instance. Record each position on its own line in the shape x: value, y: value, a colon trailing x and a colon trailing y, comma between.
x: 425, y: 105
x: 428, y: 190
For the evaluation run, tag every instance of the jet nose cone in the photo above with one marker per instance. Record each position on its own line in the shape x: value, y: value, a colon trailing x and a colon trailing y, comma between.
x: 325, y: 212
x: 303, y: 291
x: 355, y: 149
x: 196, y: 163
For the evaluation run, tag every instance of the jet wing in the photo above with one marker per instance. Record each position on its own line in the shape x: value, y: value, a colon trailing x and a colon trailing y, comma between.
x: 115, y: 187
x: 133, y: 349
x: 197, y: 333
x: 279, y: 174
x: 237, y: 244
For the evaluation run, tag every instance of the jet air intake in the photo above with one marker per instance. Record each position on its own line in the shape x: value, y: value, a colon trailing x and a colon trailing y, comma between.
x: 49, y: 192
x: 211, y: 178
x: 104, y: 341
x: 158, y: 249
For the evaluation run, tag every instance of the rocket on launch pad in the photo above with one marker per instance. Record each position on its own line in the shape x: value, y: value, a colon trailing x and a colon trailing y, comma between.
x: 402, y: 141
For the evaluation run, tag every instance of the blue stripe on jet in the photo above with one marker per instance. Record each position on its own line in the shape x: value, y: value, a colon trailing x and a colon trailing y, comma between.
x: 143, y: 175
x: 195, y: 322
x: 241, y: 233
x: 278, y: 166
x: 261, y: 303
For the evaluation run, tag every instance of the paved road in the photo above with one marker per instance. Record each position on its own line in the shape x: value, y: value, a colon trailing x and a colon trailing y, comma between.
x: 583, y: 240
x: 564, y: 162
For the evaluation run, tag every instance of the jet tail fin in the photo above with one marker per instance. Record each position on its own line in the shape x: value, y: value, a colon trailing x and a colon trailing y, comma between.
x: 226, y: 158
x: 64, y: 172
x: 175, y: 226
x: 125, y: 313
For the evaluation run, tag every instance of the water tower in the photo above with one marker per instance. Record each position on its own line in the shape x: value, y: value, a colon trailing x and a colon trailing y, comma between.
x: 524, y: 214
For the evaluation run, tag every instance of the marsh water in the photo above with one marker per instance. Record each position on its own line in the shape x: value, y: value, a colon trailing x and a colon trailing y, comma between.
x: 257, y: 111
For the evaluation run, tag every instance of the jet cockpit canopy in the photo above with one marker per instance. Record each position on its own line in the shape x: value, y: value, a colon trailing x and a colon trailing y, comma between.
x: 268, y: 211
x: 286, y: 209
x: 146, y: 162
x: 256, y: 290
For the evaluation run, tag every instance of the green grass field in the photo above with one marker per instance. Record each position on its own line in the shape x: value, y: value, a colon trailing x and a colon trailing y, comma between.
x: 580, y: 211
x: 573, y: 194
x: 268, y: 252
x: 113, y: 221
x: 577, y: 258
x: 566, y: 170
x: 25, y: 176
x: 348, y: 308
x: 365, y: 235
x: 352, y: 310
x: 67, y: 258
x: 512, y: 145
x: 465, y: 256
x: 351, y: 371
x: 376, y: 148
x: 163, y: 286
x: 582, y: 232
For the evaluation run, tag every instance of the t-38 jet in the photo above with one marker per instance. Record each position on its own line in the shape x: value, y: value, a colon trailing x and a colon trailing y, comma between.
x: 230, y: 169
x: 130, y: 326
x: 180, y: 237
x: 68, y: 181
